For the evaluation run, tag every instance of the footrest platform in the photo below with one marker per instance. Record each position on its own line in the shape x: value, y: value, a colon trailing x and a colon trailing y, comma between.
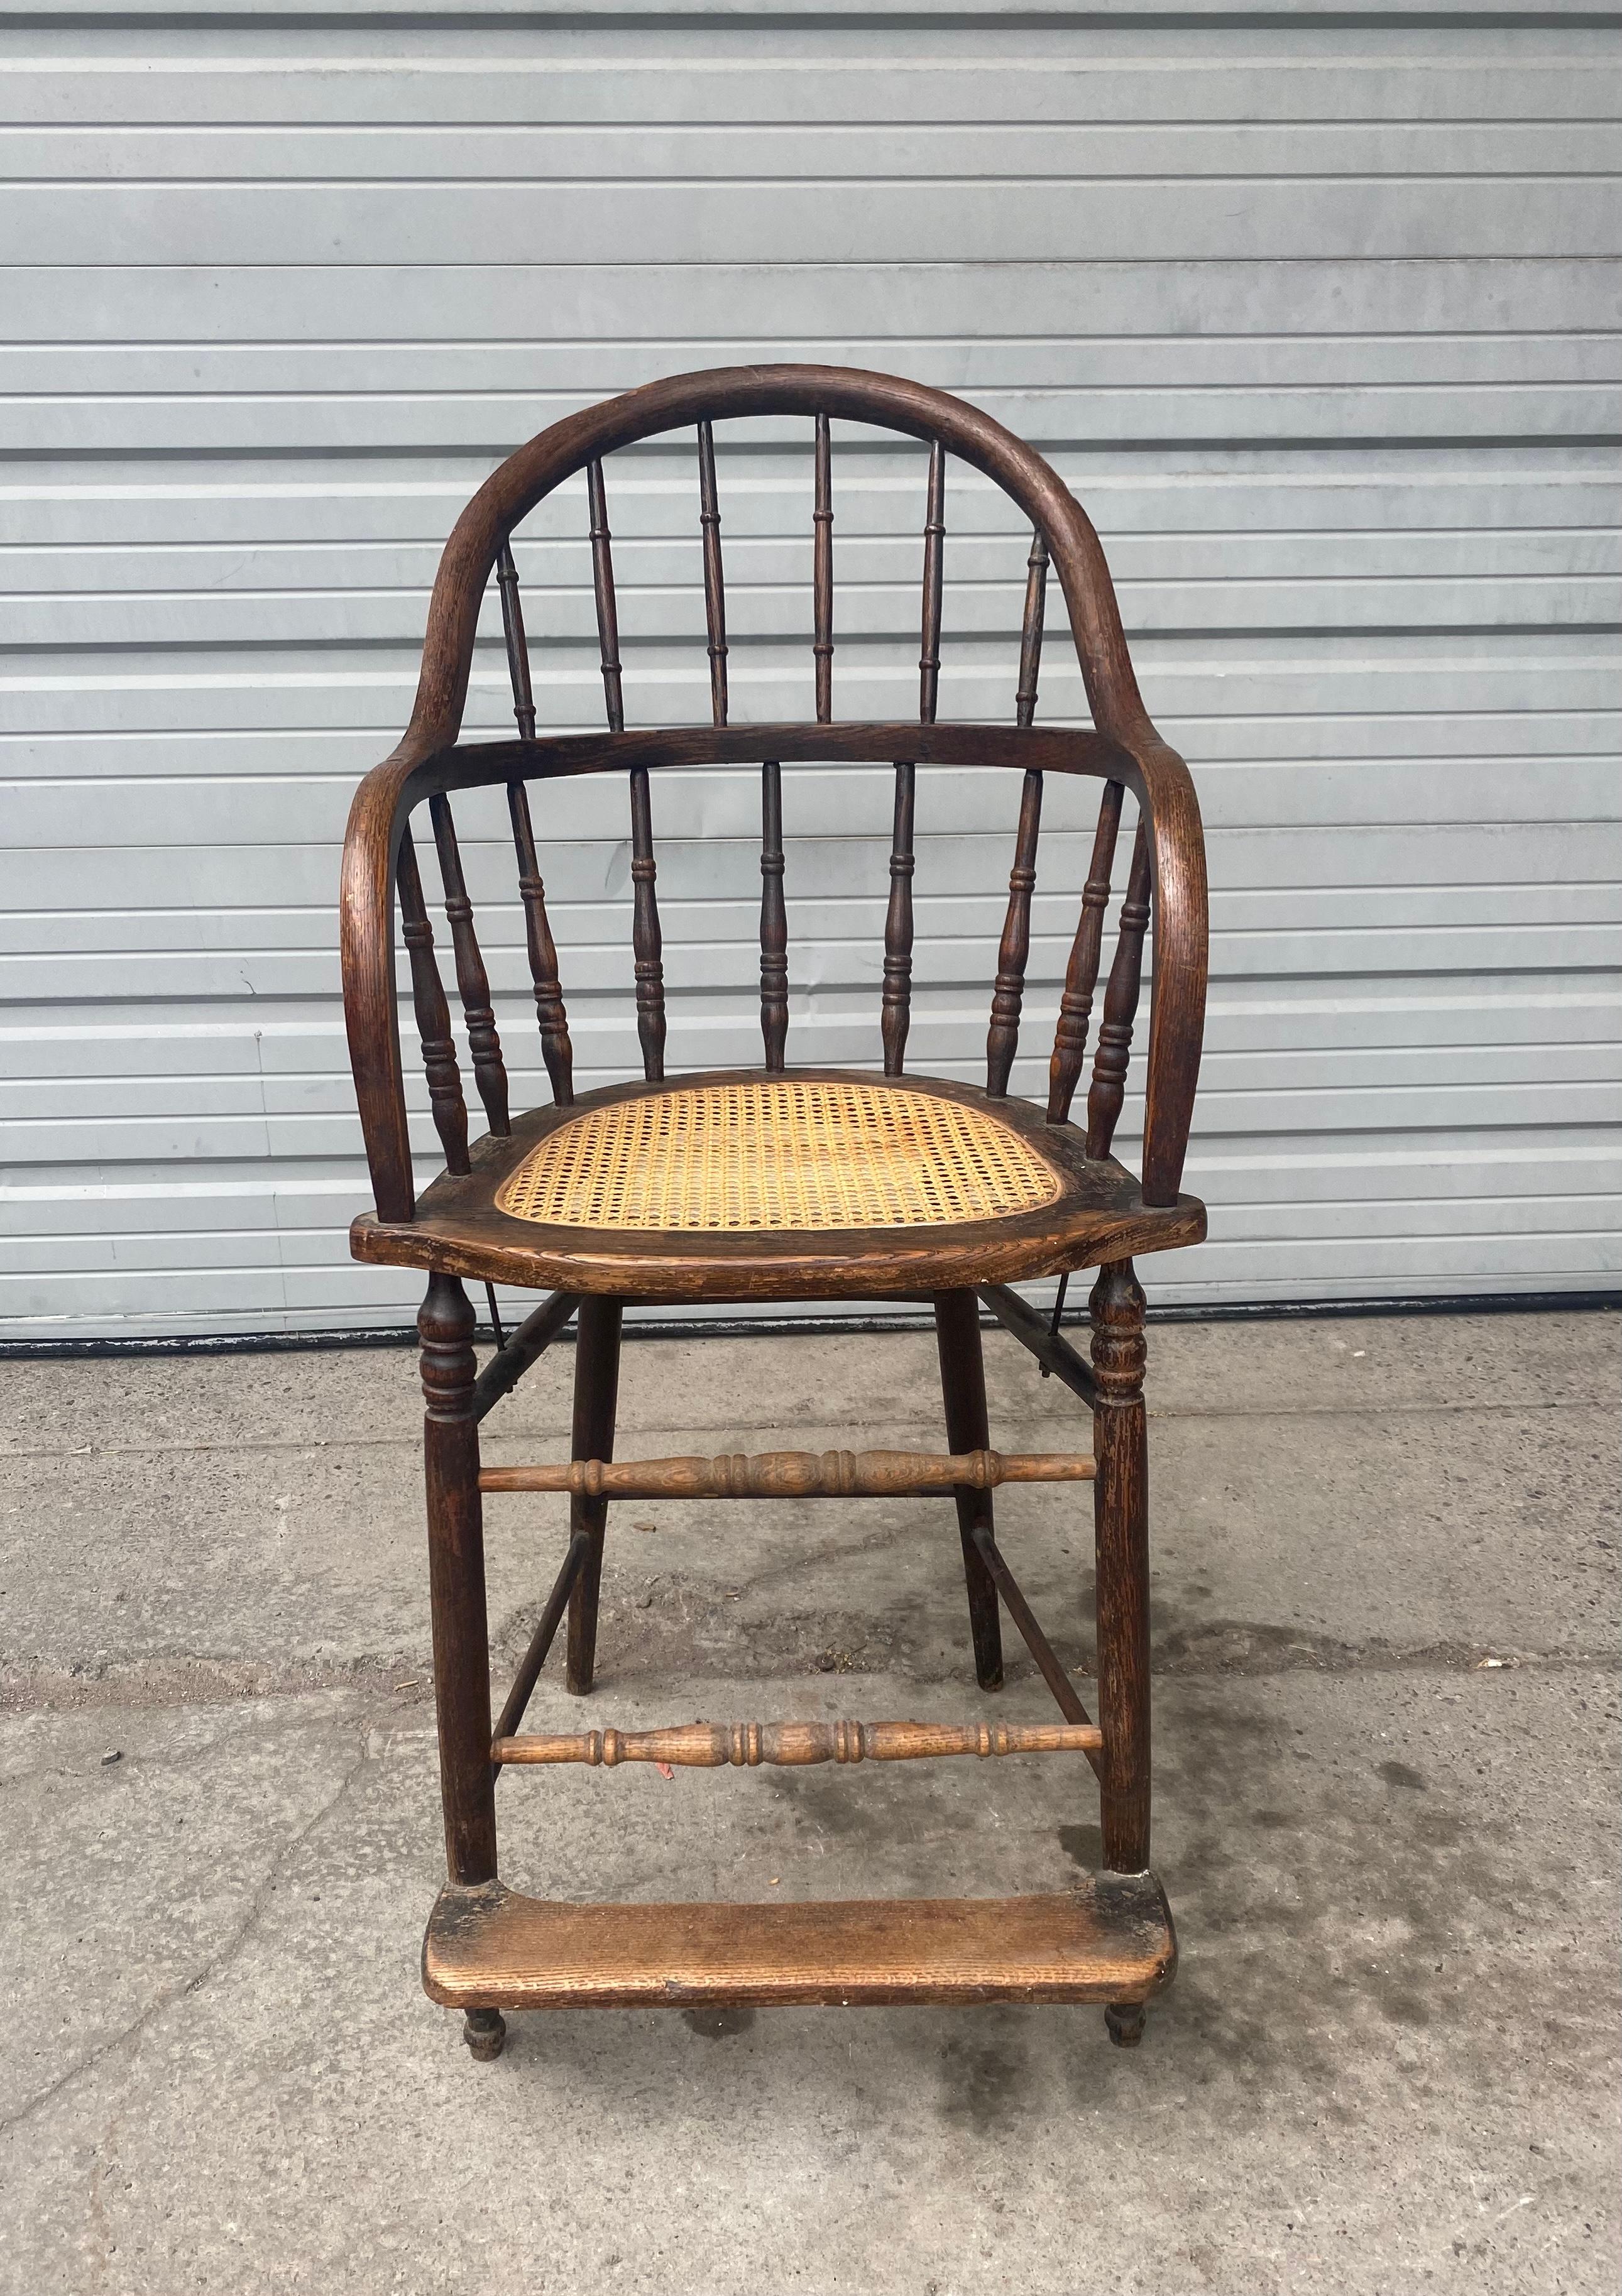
x: 1108, y: 1940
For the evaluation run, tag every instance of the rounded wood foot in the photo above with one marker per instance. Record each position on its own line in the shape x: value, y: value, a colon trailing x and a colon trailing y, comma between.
x: 1124, y: 2023
x: 485, y: 2031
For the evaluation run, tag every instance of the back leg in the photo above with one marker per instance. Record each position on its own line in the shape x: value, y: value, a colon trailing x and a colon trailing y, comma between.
x: 596, y: 1393
x: 962, y: 1385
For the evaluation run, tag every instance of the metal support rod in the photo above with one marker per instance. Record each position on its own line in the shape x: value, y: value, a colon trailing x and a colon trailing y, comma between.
x: 540, y: 1642
x: 1047, y: 1657
x: 500, y: 1336
x: 526, y: 1345
x: 1056, y: 1354
x: 1053, y: 1329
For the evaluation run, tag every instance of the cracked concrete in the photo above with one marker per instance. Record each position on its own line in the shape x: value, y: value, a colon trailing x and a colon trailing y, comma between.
x: 1388, y: 2058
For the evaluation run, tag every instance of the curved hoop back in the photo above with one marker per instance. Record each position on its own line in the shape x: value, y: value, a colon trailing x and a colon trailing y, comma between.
x: 1166, y: 877
x: 821, y: 393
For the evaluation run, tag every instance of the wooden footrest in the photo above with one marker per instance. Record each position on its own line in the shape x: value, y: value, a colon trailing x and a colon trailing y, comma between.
x: 1108, y: 1940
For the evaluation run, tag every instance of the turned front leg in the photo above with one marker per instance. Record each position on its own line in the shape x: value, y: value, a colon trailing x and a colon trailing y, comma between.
x: 1120, y: 1504
x: 455, y: 1573
x: 963, y: 1382
x: 596, y: 1394
x: 455, y: 1567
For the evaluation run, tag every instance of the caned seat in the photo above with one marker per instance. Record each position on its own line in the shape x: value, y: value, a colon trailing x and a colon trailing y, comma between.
x: 782, y: 1183
x: 824, y: 1184
x: 756, y: 1156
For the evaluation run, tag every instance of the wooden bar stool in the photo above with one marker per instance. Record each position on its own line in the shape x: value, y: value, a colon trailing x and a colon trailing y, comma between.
x: 781, y: 1184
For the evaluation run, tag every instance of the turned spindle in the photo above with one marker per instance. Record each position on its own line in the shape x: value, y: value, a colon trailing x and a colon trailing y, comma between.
x: 895, y: 1006
x: 821, y: 573
x: 773, y: 920
x: 1114, y: 1054
x: 433, y: 1013
x: 793, y: 1474
x: 473, y: 983
x: 715, y: 593
x: 796, y: 1745
x: 1081, y: 975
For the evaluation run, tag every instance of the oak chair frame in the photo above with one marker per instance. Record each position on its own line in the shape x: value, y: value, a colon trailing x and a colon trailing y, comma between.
x: 488, y: 1949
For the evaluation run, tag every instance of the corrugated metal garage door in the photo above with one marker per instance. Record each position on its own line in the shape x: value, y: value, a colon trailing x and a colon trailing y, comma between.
x: 1311, y: 312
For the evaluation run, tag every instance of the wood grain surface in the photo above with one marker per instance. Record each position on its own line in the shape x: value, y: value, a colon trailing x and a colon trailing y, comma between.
x: 1110, y: 1939
x: 793, y: 1474
x: 1099, y: 1214
x: 797, y: 1745
x: 1139, y: 758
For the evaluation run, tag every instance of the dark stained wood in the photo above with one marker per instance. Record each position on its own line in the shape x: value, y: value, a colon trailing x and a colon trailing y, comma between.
x: 1030, y: 632
x: 1114, y: 1054
x: 895, y: 1006
x: 1008, y: 995
x: 379, y: 817
x: 934, y: 579
x: 647, y: 941
x: 1013, y: 954
x: 796, y: 1474
x: 473, y: 983
x: 773, y: 920
x: 446, y: 1326
x: 1120, y: 1505
x: 1054, y: 1352
x: 1121, y: 1544
x: 555, y: 1048
x: 518, y: 646
x: 485, y: 2031
x: 596, y: 1393
x: 1109, y: 1938
x: 553, y: 1021
x: 715, y: 588
x: 602, y: 590
x: 963, y: 1387
x: 1099, y: 1214
x: 444, y: 1076
x: 1108, y: 1941
x: 797, y: 1745
x: 1081, y: 975
x: 524, y: 1347
x: 688, y: 749
x: 678, y: 401
x: 822, y: 574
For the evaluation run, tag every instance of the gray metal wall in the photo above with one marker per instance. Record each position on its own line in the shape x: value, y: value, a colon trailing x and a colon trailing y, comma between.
x: 1312, y: 312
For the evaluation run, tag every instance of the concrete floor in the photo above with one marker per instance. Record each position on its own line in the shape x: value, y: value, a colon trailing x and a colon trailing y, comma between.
x: 1386, y: 1706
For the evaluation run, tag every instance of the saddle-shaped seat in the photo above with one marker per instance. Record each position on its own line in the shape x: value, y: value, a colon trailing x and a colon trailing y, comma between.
x: 813, y: 1184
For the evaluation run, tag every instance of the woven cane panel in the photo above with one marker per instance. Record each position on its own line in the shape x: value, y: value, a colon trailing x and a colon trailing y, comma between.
x: 741, y: 1157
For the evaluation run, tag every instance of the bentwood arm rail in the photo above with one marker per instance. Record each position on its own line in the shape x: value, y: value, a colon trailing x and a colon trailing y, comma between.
x: 384, y: 804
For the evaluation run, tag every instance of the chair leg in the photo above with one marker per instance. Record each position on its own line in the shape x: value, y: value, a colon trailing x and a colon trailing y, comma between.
x: 456, y: 1587
x: 596, y: 1393
x: 962, y: 1385
x: 1120, y: 1500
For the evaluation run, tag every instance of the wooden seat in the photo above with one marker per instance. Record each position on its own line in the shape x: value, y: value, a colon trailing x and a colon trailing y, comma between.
x: 775, y: 1183
x: 670, y: 1210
